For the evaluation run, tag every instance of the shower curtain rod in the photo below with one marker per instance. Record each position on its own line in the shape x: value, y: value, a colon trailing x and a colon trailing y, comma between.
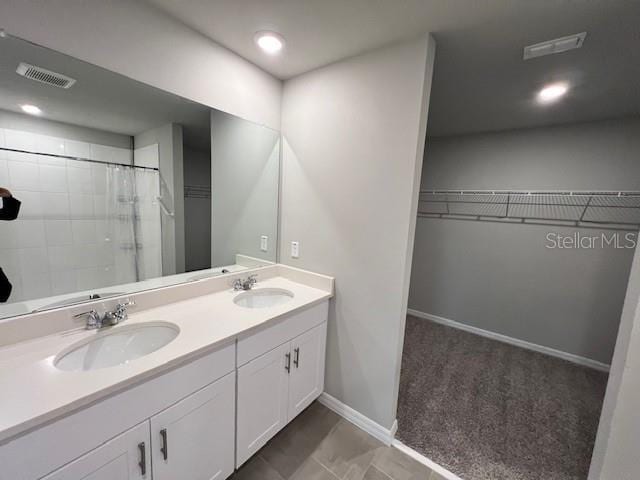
x: 80, y: 159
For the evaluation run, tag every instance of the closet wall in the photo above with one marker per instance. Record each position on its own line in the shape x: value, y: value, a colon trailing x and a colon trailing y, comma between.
x: 197, y: 209
x: 502, y: 277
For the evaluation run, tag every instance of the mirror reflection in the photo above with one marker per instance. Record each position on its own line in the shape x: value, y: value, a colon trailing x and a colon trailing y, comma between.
x: 110, y: 186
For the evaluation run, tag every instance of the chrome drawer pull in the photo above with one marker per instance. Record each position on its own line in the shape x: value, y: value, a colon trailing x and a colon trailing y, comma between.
x: 165, y: 446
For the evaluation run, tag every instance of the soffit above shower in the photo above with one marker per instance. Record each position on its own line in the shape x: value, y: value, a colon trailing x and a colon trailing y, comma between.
x: 73, y: 91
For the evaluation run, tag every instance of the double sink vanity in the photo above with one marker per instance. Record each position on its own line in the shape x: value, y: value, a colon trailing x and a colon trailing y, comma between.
x: 146, y: 328
x: 197, y: 379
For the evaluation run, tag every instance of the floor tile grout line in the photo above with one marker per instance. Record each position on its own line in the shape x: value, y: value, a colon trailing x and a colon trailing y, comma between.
x: 325, y: 467
x: 313, y: 454
x: 270, y: 466
x: 382, y: 472
x: 317, y: 460
x: 350, y: 424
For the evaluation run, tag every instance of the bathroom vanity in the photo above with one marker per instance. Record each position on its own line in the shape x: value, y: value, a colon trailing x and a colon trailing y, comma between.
x: 200, y: 376
x: 231, y: 370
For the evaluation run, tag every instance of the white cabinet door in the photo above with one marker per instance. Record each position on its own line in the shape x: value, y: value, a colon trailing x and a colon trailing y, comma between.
x: 193, y: 439
x: 307, y: 369
x: 262, y: 400
x: 126, y: 457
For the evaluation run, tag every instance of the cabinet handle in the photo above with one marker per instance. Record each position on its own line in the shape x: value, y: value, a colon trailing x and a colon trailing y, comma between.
x: 296, y: 357
x: 143, y: 458
x: 287, y: 365
x: 165, y: 446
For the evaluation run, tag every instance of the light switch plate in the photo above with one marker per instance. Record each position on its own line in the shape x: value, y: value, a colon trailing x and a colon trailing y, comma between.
x: 295, y: 249
x: 264, y: 243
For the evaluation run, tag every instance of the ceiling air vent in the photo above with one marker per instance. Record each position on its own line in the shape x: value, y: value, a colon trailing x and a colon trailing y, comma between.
x: 43, y: 75
x: 557, y: 45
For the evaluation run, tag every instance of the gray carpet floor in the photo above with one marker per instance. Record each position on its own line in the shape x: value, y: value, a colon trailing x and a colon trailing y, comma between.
x: 490, y: 411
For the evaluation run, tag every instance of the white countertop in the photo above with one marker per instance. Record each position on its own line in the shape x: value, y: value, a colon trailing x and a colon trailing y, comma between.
x: 34, y: 391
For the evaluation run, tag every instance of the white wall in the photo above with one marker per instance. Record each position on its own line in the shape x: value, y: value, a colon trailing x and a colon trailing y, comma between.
x: 170, y: 149
x: 143, y: 43
x: 245, y: 169
x: 501, y: 277
x: 615, y: 454
x: 353, y: 139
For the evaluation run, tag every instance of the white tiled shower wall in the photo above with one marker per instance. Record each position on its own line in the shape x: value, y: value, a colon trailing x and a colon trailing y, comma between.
x: 59, y: 242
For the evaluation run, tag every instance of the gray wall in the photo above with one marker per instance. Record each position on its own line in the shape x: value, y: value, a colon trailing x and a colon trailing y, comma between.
x: 353, y: 138
x: 500, y: 277
x: 41, y: 126
x: 594, y: 155
x: 245, y: 169
x: 197, y: 211
x: 170, y: 148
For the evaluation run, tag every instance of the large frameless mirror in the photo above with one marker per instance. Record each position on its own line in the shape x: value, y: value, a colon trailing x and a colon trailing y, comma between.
x: 110, y: 186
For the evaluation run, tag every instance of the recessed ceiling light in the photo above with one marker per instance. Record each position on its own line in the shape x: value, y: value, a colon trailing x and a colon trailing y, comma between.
x: 271, y: 42
x: 552, y: 92
x: 31, y: 109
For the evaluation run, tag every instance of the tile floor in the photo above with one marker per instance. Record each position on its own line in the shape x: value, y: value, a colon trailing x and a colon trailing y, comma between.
x: 320, y: 445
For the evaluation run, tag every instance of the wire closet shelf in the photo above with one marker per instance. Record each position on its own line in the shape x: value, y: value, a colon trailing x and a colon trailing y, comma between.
x: 594, y: 209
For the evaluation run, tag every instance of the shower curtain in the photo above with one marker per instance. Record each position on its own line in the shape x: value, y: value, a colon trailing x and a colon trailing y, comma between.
x: 133, y: 223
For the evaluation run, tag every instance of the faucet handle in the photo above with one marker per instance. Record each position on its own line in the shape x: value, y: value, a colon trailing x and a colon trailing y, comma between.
x: 237, y: 284
x: 120, y: 313
x: 93, y: 319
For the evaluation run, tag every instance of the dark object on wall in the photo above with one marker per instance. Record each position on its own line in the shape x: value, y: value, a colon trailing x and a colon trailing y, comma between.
x: 9, y: 211
x: 5, y: 287
x: 10, y: 208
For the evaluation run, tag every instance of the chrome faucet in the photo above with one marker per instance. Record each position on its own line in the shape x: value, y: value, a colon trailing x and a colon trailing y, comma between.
x: 246, y: 284
x: 95, y: 321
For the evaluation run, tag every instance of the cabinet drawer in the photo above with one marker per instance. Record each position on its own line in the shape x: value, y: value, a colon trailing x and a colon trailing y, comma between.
x: 259, y: 342
x: 126, y: 457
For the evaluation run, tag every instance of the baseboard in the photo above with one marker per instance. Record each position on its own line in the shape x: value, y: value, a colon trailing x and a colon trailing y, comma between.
x: 374, y: 429
x: 583, y: 361
x: 443, y: 472
x: 386, y: 436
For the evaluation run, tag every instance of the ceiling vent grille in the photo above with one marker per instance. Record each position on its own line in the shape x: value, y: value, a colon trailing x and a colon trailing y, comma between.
x: 557, y: 45
x: 43, y: 75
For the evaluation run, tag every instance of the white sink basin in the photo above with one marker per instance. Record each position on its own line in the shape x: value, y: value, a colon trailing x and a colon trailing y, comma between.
x: 263, y: 297
x: 116, y: 347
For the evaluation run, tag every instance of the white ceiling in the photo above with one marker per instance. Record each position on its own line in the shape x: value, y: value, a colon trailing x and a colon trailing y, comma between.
x: 481, y: 82
x: 318, y: 32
